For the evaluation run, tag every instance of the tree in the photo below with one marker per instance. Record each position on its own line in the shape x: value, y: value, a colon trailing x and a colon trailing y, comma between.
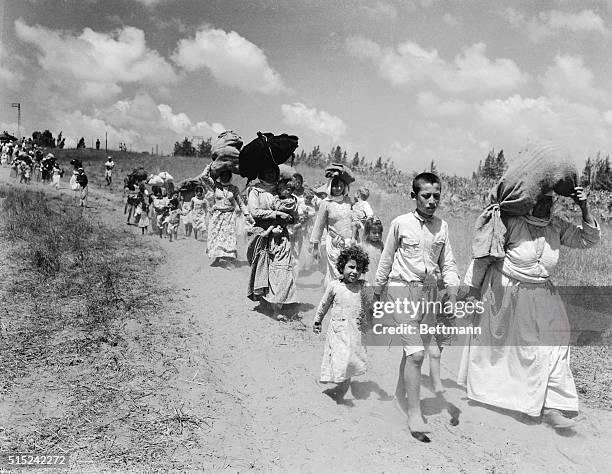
x: 344, y: 160
x: 81, y: 143
x: 336, y: 155
x: 44, y: 139
x: 603, y: 174
x: 379, y: 163
x: 301, y: 157
x: 205, y: 149
x: 432, y: 167
x: 587, y: 173
x: 355, y: 163
x: 184, y: 148
x: 500, y: 164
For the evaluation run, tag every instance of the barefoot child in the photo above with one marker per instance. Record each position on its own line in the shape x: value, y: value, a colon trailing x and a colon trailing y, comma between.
x: 199, y: 212
x: 143, y: 209
x: 186, y: 217
x: 344, y: 356
x: 173, y: 219
x: 417, y: 252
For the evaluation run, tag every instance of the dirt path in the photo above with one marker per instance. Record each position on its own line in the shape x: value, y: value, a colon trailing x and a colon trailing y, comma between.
x: 270, y: 413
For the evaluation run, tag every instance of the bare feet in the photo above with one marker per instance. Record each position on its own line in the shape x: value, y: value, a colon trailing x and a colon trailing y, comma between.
x: 556, y: 419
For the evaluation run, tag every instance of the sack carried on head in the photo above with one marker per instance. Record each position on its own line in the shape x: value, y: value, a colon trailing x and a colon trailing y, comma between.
x: 266, y: 151
x: 222, y: 164
x: 226, y: 139
x: 541, y: 168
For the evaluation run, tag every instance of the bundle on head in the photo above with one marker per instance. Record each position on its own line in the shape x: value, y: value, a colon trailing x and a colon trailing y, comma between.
x: 225, y: 153
x: 76, y: 163
x: 264, y: 152
x: 137, y: 176
x: 541, y: 168
x: 340, y: 171
x: 188, y: 187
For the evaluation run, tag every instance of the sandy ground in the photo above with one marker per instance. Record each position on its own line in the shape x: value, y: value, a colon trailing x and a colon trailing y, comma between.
x: 270, y: 413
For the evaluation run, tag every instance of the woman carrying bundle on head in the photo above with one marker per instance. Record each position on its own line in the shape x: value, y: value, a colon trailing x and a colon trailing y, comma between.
x: 335, y: 216
x: 270, y: 252
x: 221, y: 244
x: 521, y: 359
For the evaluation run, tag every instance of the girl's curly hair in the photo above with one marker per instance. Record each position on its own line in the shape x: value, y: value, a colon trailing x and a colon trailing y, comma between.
x: 356, y: 253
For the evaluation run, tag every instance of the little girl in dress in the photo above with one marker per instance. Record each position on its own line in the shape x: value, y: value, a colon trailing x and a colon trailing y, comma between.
x: 143, y: 209
x: 199, y: 212
x: 344, y: 355
x: 373, y: 246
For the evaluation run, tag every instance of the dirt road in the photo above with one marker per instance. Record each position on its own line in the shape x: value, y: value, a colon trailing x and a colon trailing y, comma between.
x: 270, y: 414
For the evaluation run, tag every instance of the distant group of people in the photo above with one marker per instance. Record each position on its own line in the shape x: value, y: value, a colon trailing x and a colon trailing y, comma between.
x: 28, y: 161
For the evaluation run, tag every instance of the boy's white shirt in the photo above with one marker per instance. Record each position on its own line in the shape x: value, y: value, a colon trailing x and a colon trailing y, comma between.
x: 415, y: 249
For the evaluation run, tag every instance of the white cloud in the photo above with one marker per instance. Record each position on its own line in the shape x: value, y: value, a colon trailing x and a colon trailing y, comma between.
x: 551, y: 22
x: 149, y: 3
x: 95, y: 65
x: 450, y: 20
x: 410, y: 64
x: 579, y: 128
x: 319, y: 121
x: 400, y: 152
x: 570, y: 78
x: 430, y: 104
x: 139, y: 122
x: 231, y: 59
x: 8, y: 77
x: 380, y: 10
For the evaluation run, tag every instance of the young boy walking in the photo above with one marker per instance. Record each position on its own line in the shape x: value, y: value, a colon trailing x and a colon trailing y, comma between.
x: 417, y: 253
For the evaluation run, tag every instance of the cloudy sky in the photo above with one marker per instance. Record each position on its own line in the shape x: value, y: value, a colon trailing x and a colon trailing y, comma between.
x: 413, y: 80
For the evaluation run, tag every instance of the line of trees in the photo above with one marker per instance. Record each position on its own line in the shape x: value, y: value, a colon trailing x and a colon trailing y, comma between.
x: 45, y: 139
x: 186, y: 148
x: 597, y: 173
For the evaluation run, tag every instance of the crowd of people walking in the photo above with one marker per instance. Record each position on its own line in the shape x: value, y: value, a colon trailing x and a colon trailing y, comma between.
x: 511, y: 363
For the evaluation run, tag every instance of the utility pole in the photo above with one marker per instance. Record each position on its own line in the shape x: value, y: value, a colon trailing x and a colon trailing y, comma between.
x: 156, y: 150
x: 17, y: 105
x: 106, y: 141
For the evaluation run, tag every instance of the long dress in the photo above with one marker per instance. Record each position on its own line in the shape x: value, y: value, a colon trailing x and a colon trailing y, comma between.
x: 271, y: 258
x: 336, y: 218
x: 221, y: 239
x: 344, y: 356
x: 198, y: 214
x: 374, y: 252
x: 521, y: 360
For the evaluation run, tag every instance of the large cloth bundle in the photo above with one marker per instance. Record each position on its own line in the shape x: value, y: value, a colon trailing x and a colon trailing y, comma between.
x: 225, y: 163
x: 229, y: 138
x: 225, y: 153
x: 187, y: 188
x: 138, y: 174
x: 265, y: 151
x: 541, y: 168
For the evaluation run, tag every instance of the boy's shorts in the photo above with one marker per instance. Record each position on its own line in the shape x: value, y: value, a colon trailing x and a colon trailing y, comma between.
x: 419, y: 320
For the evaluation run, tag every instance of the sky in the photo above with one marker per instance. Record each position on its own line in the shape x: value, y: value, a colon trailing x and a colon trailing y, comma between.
x: 412, y: 80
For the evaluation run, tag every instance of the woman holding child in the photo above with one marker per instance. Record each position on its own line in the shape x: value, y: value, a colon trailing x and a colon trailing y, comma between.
x: 272, y: 207
x: 521, y: 361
